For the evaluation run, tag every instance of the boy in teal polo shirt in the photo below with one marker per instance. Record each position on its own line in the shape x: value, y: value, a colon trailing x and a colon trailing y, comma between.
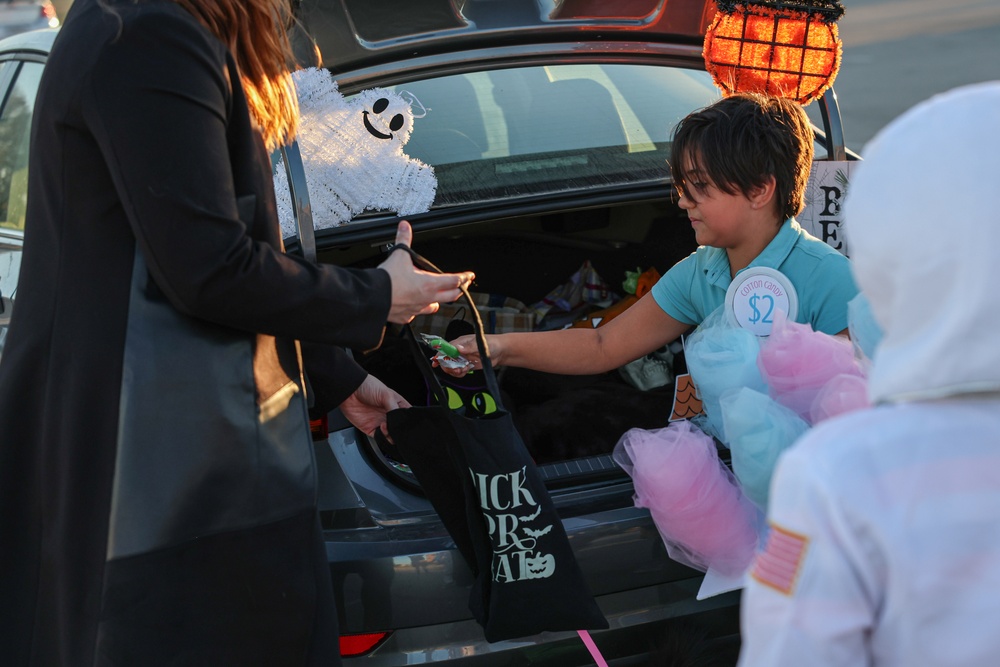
x: 696, y: 286
x: 740, y: 167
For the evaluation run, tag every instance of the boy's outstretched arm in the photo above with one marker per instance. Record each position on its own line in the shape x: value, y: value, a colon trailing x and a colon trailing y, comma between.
x: 641, y: 329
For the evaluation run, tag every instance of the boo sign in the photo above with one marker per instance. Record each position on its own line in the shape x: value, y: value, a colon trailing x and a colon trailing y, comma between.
x: 825, y: 194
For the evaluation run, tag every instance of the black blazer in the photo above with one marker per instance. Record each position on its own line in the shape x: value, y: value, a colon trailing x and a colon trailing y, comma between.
x: 151, y: 398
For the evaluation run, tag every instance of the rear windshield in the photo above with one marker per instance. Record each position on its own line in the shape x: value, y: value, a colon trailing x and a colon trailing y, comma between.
x: 534, y: 130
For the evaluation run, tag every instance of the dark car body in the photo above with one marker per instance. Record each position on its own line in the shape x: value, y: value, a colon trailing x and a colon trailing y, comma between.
x: 526, y: 193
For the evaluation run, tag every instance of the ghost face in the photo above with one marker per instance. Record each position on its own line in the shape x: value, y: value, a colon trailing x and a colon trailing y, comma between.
x: 381, y: 118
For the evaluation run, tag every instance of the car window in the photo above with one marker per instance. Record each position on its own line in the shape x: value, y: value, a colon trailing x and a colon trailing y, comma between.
x: 534, y: 130
x: 15, y: 128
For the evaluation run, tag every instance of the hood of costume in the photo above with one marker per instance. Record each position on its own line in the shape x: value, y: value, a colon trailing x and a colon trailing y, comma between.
x: 924, y: 226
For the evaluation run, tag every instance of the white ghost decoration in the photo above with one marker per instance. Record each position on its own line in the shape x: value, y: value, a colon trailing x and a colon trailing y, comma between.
x: 352, y: 151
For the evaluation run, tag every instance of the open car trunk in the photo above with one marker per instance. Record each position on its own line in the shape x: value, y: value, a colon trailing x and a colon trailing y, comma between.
x: 570, y: 423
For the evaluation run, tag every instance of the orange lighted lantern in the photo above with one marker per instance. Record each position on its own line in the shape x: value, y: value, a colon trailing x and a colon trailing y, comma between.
x: 781, y: 48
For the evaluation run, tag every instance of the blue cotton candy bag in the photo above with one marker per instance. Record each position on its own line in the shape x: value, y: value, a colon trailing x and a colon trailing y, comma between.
x: 721, y: 356
x: 759, y: 430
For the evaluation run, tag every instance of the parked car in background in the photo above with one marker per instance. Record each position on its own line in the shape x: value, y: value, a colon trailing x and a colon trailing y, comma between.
x: 548, y: 125
x: 21, y: 60
x: 23, y: 15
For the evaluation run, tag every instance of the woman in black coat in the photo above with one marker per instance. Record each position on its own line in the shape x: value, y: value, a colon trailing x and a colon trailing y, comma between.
x: 157, y: 485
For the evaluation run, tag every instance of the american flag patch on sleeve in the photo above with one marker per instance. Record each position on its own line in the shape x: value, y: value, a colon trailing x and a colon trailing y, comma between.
x: 779, y: 564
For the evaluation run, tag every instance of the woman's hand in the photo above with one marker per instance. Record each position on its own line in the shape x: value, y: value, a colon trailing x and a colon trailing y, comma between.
x: 414, y: 291
x: 367, y: 406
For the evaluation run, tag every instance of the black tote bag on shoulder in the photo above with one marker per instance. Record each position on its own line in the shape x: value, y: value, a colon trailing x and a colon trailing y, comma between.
x: 478, y: 475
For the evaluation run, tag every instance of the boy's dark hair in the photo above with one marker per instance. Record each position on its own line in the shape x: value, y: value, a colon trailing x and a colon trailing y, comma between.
x: 741, y: 140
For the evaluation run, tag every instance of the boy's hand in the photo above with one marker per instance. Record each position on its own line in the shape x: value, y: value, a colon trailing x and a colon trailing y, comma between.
x: 469, y: 350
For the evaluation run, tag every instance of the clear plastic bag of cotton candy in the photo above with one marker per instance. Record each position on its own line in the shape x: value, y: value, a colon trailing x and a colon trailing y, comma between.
x: 798, y: 364
x: 702, y: 515
x: 721, y: 356
x: 759, y: 430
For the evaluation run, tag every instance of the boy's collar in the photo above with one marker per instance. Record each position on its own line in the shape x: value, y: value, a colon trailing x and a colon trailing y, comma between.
x: 773, y: 255
x: 779, y: 248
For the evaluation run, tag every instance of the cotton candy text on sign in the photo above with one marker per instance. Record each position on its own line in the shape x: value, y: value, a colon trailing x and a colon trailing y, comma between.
x: 755, y: 296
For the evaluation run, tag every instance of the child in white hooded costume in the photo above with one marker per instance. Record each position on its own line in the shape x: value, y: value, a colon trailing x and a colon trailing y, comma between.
x: 885, y: 540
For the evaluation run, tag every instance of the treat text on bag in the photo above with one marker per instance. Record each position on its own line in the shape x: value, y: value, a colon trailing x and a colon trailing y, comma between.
x: 514, y: 542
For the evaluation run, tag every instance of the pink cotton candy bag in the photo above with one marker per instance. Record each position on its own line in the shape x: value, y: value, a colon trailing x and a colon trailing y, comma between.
x: 840, y: 395
x: 797, y: 362
x: 698, y: 507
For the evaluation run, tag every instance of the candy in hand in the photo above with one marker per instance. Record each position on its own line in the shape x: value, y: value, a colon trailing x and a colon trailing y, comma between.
x: 447, y: 355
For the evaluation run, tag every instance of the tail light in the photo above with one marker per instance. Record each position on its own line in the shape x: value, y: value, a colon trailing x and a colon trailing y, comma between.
x: 352, y: 646
x: 320, y: 428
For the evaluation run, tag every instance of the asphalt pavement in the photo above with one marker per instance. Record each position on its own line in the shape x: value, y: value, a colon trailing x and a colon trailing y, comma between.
x: 900, y: 52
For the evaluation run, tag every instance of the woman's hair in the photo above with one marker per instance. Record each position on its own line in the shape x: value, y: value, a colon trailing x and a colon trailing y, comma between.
x: 256, y: 33
x: 741, y: 140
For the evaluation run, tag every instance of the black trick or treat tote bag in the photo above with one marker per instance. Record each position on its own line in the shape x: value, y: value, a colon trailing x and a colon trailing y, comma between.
x: 478, y: 475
